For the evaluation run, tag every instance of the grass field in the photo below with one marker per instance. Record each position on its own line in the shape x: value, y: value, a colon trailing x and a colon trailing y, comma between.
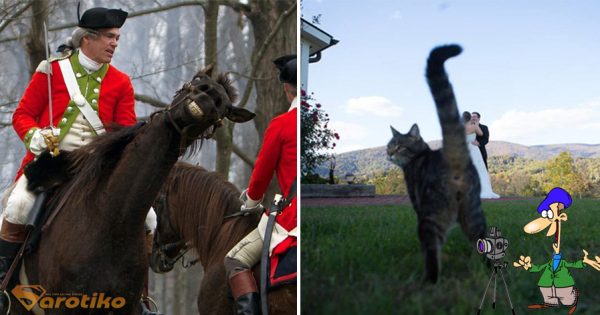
x: 367, y: 260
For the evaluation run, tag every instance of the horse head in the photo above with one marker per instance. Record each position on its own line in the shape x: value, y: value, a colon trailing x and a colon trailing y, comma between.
x: 202, y: 103
x: 168, y: 246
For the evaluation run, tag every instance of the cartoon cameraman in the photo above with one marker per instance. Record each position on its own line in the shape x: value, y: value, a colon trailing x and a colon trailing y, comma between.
x: 556, y: 283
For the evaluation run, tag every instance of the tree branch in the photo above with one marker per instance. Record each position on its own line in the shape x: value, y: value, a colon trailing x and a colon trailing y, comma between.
x: 6, y: 21
x: 261, y: 52
x: 237, y: 6
x: 231, y: 4
x: 150, y: 100
x: 9, y: 103
x: 247, y: 159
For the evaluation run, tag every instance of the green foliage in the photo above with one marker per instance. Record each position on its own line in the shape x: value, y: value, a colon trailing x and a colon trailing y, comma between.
x: 510, y: 175
x: 561, y: 172
x: 316, y: 137
x: 368, y: 260
x: 389, y: 183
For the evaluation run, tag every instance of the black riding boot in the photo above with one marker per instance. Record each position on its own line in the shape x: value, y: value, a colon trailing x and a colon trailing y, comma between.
x: 245, y: 293
x: 12, y: 237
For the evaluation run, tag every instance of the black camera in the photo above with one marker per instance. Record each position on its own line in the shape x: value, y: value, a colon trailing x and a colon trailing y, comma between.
x: 494, y: 246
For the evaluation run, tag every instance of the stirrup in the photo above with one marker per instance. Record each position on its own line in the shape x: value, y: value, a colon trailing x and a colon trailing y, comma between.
x: 9, y: 302
x: 152, y: 303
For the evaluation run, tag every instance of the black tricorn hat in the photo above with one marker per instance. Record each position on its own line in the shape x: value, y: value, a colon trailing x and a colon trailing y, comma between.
x: 96, y: 18
x: 287, y: 68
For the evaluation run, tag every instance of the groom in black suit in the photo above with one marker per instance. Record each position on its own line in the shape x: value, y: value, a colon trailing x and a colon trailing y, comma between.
x: 483, y: 139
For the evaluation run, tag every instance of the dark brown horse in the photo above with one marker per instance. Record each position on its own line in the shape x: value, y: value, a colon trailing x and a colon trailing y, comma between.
x: 191, y: 209
x: 95, y: 244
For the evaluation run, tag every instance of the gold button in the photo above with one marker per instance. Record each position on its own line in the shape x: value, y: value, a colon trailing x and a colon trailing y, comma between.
x: 62, y: 122
x: 99, y: 79
x: 69, y: 109
x: 94, y: 101
x: 96, y: 91
x: 78, y: 75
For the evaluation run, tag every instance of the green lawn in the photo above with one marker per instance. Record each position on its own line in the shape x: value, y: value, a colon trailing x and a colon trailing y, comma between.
x: 367, y: 260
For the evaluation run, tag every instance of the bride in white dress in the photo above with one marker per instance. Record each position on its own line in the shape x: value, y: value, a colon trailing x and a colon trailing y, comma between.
x: 484, y: 178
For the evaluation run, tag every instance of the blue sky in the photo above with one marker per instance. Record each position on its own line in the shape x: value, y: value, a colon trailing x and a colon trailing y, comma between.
x: 531, y: 69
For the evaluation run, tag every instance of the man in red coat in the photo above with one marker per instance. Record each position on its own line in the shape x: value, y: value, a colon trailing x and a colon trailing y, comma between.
x: 104, y: 91
x: 278, y: 154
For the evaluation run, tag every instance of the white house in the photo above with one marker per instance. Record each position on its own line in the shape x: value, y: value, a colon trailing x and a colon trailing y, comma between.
x: 313, y: 41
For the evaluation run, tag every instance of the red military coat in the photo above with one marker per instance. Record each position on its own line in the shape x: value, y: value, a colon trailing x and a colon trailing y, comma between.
x: 109, y: 92
x: 278, y: 154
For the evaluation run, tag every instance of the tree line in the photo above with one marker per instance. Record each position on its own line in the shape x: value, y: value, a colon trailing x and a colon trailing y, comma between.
x: 516, y: 176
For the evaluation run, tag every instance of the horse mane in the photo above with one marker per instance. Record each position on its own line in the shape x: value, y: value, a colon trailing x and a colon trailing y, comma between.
x: 224, y: 80
x: 199, y: 200
x: 92, y: 162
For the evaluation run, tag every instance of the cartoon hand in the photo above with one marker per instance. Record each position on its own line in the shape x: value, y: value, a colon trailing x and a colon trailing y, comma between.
x: 595, y: 264
x: 524, y: 262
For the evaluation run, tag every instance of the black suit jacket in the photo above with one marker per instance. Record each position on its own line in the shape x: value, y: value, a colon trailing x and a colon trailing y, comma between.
x: 483, y: 140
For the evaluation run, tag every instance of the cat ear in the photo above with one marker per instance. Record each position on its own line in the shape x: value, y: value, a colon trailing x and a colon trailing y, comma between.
x: 395, y: 132
x: 414, y: 131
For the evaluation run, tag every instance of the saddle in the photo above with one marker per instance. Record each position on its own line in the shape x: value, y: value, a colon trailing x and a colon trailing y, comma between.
x: 44, y: 175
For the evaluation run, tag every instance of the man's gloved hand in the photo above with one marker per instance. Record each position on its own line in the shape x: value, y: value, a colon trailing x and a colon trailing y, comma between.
x: 44, y: 139
x: 250, y: 205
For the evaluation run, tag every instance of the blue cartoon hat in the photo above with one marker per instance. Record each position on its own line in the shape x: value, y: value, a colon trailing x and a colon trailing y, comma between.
x: 555, y: 195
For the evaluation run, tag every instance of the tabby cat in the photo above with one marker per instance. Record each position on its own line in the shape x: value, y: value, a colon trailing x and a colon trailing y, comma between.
x: 443, y: 185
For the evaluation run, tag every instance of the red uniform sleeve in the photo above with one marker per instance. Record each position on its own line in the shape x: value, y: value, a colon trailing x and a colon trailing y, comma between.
x: 266, y: 162
x: 124, y: 111
x: 32, y: 105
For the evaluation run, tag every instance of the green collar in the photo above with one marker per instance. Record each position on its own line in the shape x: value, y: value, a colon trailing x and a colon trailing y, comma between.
x: 78, y: 68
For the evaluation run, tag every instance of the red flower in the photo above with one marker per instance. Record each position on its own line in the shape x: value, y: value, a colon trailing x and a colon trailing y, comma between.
x: 318, y: 105
x: 337, y: 136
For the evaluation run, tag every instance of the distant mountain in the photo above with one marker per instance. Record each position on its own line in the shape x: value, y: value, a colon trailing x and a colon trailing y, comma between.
x: 370, y: 161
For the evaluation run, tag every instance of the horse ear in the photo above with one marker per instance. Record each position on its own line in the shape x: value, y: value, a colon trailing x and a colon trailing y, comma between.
x: 208, y: 70
x: 239, y: 115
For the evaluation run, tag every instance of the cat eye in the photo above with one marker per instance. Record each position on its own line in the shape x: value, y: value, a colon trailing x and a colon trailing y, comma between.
x: 544, y: 214
x: 550, y: 214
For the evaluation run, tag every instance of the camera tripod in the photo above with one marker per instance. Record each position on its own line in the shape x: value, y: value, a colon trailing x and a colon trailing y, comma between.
x: 498, y: 266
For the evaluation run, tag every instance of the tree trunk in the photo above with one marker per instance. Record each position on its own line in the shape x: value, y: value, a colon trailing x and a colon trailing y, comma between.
x: 35, y: 46
x: 270, y: 98
x: 224, y: 134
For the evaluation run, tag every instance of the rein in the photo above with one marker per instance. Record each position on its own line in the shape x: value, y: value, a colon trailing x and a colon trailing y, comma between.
x: 183, y: 132
x: 162, y: 250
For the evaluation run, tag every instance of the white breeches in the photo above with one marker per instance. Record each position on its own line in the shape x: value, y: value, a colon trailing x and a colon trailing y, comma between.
x: 21, y: 200
x: 248, y: 250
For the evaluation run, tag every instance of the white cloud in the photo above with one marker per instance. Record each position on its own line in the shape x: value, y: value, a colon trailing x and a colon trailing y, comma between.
x: 351, y: 134
x: 554, y: 125
x: 373, y: 105
x: 396, y: 15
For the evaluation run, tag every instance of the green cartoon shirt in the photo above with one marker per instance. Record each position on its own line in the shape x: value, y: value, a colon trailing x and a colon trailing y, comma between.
x: 560, y: 278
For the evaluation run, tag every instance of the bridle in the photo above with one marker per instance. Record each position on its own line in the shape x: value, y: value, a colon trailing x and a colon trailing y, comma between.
x: 166, y: 262
x: 197, y: 111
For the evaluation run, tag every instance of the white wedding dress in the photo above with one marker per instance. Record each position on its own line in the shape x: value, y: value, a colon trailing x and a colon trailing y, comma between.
x: 484, y: 177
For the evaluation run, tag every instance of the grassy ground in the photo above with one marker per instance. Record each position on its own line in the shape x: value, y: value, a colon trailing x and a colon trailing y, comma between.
x: 367, y: 260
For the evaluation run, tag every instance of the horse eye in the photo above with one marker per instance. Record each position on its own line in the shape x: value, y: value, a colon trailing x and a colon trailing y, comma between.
x: 544, y: 213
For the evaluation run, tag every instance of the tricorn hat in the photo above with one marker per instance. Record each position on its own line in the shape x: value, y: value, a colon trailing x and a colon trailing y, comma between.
x: 96, y: 18
x: 287, y: 69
